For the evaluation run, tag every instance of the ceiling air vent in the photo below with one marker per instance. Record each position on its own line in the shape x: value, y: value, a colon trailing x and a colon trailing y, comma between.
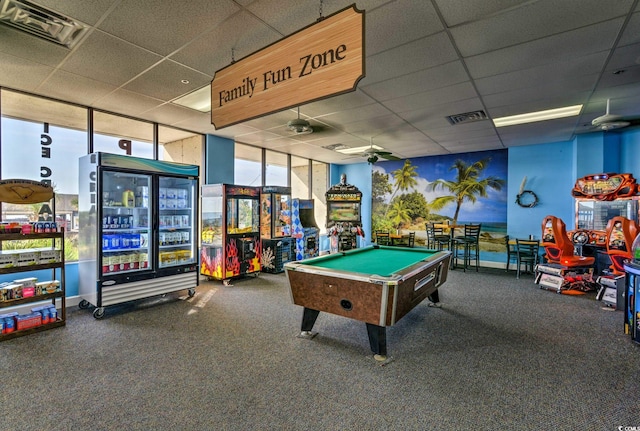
x: 467, y: 117
x: 41, y: 22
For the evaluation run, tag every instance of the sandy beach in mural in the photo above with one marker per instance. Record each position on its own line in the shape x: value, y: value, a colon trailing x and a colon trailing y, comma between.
x: 488, y: 242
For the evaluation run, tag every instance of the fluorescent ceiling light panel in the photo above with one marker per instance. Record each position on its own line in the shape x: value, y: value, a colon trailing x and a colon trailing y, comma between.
x: 357, y: 150
x: 199, y: 100
x: 532, y: 117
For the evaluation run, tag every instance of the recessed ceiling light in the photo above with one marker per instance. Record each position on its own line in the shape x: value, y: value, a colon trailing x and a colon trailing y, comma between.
x: 185, y: 81
x: 199, y: 99
x: 532, y: 117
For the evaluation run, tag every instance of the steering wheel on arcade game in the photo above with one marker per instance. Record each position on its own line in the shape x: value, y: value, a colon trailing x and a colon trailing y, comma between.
x: 581, y: 237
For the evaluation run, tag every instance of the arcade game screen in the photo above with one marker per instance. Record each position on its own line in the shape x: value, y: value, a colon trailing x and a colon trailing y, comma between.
x: 344, y: 211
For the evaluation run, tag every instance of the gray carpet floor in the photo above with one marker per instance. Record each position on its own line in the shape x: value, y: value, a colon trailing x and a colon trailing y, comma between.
x: 501, y: 354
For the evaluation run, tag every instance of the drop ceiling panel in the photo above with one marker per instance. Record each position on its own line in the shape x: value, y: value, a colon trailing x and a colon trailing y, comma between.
x: 421, y: 54
x: 631, y: 33
x: 108, y: 59
x: 456, y: 12
x: 74, y: 88
x: 165, y: 81
x: 531, y: 21
x: 462, y: 91
x: 168, y: 114
x: 29, y: 47
x: 335, y: 104
x: 424, y: 80
x: 180, y: 22
x: 624, y: 57
x: 552, y: 49
x: 548, y: 89
x: 21, y: 74
x: 127, y: 102
x: 398, y: 23
x: 357, y: 114
x: 86, y: 11
x: 563, y: 71
x: 213, y: 50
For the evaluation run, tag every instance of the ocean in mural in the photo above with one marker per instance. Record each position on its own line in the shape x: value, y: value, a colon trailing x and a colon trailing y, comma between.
x: 456, y: 189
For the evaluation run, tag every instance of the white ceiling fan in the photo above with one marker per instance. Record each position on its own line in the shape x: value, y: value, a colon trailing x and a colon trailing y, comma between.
x: 610, y: 121
x: 374, y: 154
x: 300, y: 126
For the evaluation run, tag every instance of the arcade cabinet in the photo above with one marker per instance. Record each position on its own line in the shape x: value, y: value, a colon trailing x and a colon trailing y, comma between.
x: 275, y: 228
x: 632, y: 289
x: 305, y: 231
x: 344, y: 222
x: 600, y: 198
x: 230, y: 236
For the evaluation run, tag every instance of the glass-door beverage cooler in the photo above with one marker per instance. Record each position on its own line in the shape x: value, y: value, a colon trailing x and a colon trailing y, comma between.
x: 138, y: 221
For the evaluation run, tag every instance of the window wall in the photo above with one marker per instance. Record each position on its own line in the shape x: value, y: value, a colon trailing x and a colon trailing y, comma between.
x: 247, y: 165
x: 319, y: 186
x: 38, y: 144
x: 310, y: 180
x: 122, y: 135
x: 276, y: 169
x: 180, y: 146
x: 42, y: 139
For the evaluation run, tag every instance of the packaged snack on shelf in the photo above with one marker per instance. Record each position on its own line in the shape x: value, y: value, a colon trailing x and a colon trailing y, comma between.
x: 8, y: 260
x: 12, y: 291
x: 27, y: 282
x: 49, y: 256
x: 50, y: 286
x: 26, y: 321
x: 28, y: 258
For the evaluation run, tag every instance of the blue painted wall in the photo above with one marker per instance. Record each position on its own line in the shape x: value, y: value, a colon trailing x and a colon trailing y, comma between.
x: 630, y: 153
x: 219, y: 154
x: 550, y: 175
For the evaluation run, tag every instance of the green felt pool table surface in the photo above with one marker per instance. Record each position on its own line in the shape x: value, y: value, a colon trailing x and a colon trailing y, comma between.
x: 378, y: 260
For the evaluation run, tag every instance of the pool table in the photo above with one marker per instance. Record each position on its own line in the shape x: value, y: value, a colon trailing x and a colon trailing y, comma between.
x: 377, y: 285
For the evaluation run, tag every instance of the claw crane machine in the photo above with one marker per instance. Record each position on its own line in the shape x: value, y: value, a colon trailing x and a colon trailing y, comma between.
x: 275, y: 228
x: 231, y: 245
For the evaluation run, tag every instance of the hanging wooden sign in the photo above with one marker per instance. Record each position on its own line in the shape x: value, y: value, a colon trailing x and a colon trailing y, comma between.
x: 318, y: 61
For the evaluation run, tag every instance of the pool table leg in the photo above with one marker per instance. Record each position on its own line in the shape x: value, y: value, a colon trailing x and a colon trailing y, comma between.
x: 309, y: 317
x: 377, y: 339
x: 434, y: 297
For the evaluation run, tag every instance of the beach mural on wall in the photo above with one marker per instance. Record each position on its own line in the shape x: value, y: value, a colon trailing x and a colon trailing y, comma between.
x: 455, y: 189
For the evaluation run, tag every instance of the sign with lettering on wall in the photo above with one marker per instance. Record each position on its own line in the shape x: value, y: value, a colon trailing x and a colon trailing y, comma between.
x: 318, y: 61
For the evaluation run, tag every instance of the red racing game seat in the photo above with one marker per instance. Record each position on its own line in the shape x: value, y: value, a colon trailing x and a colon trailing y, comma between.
x: 558, y: 247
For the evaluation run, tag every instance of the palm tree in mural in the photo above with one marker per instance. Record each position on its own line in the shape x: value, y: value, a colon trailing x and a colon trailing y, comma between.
x: 399, y: 213
x: 467, y: 185
x: 405, y: 178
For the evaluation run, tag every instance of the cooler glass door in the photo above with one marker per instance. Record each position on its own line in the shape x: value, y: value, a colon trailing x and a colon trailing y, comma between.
x: 177, y: 222
x: 126, y: 215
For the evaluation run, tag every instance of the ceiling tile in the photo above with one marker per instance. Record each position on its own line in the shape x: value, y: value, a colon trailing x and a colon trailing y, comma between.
x: 180, y: 22
x: 164, y: 81
x: 531, y: 21
x: 108, y: 59
x: 557, y: 48
x: 409, y: 58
